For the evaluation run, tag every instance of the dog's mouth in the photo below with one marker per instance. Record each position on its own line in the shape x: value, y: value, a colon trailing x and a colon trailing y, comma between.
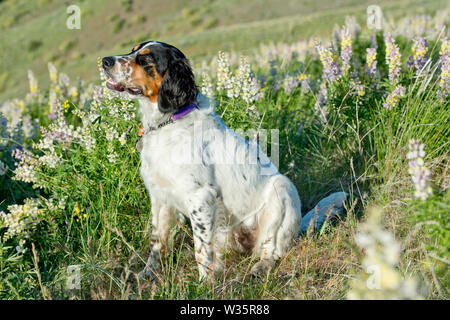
x: 116, y: 86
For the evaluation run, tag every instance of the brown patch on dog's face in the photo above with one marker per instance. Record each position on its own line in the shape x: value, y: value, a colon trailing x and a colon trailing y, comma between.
x: 155, y: 70
x: 149, y: 80
x: 144, y: 51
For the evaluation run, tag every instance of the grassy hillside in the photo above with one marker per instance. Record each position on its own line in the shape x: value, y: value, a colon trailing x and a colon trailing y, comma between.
x: 34, y: 32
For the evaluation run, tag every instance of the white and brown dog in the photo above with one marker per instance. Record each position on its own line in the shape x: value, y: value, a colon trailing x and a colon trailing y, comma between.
x: 193, y: 164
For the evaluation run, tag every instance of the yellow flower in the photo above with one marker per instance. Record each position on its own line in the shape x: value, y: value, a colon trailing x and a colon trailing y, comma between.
x: 78, y: 213
x: 66, y: 106
x: 303, y: 76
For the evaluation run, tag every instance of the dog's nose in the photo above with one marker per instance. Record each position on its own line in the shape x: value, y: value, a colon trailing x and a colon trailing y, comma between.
x: 108, y: 62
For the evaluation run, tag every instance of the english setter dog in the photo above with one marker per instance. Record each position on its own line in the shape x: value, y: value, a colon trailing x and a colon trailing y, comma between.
x: 193, y: 164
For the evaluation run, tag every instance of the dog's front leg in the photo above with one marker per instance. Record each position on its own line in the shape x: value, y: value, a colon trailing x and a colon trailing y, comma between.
x: 163, y: 218
x: 202, y: 212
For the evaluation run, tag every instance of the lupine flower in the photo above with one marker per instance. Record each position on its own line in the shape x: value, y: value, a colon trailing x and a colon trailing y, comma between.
x: 112, y: 157
x: 290, y: 83
x: 206, y: 87
x: 26, y: 167
x: 21, y: 219
x: 419, y: 173
x: 371, y: 61
x: 123, y: 138
x: 393, y: 58
x: 30, y: 127
x: 99, y: 94
x: 54, y: 105
x: 444, y: 61
x: 243, y: 83
x: 394, y: 97
x: 73, y: 93
x: 304, y: 80
x: 103, y: 76
x: 330, y: 62
x: 249, y: 88
x: 380, y: 278
x: 357, y: 88
x: 53, y: 72
x: 352, y: 25
x: 444, y: 82
x: 33, y: 82
x: 346, y: 49
x: 445, y: 47
x: 252, y: 112
x: 223, y: 71
x: 419, y: 52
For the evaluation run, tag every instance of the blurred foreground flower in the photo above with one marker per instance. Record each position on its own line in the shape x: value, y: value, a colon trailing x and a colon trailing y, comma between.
x: 33, y: 82
x: 380, y: 278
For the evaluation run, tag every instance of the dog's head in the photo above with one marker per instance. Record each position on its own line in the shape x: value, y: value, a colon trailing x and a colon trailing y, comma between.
x: 155, y: 71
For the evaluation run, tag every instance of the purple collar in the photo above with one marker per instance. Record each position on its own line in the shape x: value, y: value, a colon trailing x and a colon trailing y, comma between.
x: 184, y: 111
x: 176, y: 116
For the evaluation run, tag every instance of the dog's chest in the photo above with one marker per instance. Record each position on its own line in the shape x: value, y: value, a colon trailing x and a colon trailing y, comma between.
x: 158, y: 169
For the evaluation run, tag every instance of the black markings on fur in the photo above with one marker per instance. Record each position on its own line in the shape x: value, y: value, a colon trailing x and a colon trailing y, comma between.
x: 245, y: 178
x: 201, y: 227
x: 178, y: 88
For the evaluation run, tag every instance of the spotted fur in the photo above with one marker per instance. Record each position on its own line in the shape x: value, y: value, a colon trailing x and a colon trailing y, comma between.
x: 194, y: 166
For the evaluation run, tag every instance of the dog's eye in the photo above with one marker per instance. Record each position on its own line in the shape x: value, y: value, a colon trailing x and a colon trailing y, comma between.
x: 143, y: 59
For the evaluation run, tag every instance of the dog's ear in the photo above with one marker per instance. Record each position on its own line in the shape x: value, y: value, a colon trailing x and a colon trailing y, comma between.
x: 178, y: 87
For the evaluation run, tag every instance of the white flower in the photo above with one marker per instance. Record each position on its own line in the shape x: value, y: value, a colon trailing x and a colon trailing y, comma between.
x: 380, y: 278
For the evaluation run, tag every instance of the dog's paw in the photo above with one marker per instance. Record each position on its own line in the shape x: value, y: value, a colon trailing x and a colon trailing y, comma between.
x: 262, y: 268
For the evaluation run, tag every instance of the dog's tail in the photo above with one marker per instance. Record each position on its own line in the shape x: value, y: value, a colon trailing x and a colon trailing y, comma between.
x: 328, y: 207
